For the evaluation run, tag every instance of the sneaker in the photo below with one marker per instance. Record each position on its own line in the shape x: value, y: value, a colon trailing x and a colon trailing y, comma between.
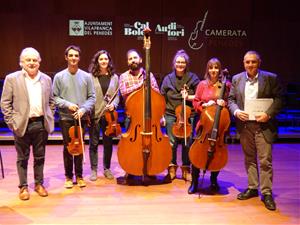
x: 80, y: 182
x: 108, y: 174
x: 93, y: 176
x: 68, y: 183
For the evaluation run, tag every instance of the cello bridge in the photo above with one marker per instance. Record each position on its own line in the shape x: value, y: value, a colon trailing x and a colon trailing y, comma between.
x: 146, y: 133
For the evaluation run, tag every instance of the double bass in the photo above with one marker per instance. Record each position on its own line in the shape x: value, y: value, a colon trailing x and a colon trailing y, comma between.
x: 209, y: 151
x: 143, y: 150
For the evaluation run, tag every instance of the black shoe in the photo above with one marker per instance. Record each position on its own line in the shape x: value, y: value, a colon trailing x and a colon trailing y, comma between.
x: 269, y: 202
x: 248, y: 193
x: 214, y: 187
x: 129, y: 176
x: 193, y: 188
x: 151, y: 177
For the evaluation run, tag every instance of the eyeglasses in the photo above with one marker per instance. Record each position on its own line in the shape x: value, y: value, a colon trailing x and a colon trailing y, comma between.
x: 180, y: 62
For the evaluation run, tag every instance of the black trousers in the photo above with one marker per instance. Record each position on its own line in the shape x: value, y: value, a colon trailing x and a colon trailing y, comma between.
x: 37, y: 136
x: 94, y: 132
x: 68, y: 158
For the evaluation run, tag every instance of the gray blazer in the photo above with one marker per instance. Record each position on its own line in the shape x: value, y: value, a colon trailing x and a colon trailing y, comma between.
x: 268, y: 87
x: 15, y: 102
x: 100, y: 103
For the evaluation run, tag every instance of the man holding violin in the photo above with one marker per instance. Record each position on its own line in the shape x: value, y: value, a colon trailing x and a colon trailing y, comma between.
x: 74, y: 95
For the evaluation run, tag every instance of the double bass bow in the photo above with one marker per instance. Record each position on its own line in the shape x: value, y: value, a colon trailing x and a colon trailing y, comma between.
x: 143, y: 150
x: 209, y: 152
x: 182, y: 128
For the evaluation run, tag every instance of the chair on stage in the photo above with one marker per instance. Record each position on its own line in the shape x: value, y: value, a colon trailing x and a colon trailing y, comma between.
x: 1, y: 162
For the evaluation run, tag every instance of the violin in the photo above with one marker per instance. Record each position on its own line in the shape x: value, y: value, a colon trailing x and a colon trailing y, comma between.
x: 113, y: 128
x: 76, y: 145
x: 182, y: 128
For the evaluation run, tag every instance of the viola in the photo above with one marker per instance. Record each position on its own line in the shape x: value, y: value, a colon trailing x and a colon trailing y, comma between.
x: 113, y: 128
x: 76, y: 145
x: 182, y: 128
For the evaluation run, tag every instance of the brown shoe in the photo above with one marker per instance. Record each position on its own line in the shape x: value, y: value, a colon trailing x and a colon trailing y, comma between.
x: 172, y: 171
x: 24, y: 194
x: 41, y: 190
x: 186, y: 173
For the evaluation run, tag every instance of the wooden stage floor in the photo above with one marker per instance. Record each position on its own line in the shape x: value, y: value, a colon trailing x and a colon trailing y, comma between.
x: 105, y: 202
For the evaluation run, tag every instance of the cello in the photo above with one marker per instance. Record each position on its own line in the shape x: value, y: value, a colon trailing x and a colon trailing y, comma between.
x: 182, y: 128
x: 209, y: 152
x: 143, y: 150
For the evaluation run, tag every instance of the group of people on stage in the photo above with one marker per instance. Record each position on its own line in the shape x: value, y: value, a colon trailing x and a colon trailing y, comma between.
x: 29, y: 100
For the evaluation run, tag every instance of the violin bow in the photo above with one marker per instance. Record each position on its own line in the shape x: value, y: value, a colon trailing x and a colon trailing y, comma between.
x: 81, y: 137
x: 184, y: 115
x: 110, y: 101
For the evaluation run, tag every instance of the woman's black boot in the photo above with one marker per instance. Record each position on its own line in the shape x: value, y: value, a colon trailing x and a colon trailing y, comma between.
x: 214, y: 186
x: 195, y: 176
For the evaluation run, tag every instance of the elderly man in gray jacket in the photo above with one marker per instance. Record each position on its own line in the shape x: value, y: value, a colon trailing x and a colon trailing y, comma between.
x: 28, y: 106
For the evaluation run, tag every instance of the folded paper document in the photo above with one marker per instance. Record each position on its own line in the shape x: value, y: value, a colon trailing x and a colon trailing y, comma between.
x: 255, y: 106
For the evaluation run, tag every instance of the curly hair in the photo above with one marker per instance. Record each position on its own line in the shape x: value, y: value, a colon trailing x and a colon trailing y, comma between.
x: 94, y: 68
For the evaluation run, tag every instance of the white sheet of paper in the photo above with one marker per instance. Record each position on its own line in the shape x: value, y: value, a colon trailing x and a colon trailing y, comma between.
x: 255, y: 106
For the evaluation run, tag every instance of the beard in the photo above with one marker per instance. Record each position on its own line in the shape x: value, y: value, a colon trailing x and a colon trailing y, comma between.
x: 134, y: 66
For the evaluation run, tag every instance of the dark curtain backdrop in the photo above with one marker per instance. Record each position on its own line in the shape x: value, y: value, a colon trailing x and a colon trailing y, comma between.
x: 271, y: 28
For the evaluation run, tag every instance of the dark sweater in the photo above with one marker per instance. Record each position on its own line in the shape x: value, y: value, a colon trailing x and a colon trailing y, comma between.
x: 171, y: 89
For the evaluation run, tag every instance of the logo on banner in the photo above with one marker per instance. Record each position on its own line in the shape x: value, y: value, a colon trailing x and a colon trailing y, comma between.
x: 90, y: 28
x: 172, y: 30
x: 135, y: 29
x: 76, y: 27
x: 199, y: 34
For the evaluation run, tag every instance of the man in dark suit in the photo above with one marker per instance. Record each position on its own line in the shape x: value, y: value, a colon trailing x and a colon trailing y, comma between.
x: 256, y: 136
x: 28, y: 107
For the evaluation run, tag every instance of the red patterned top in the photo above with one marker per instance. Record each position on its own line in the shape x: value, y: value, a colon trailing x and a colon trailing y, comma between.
x: 130, y: 83
x: 207, y: 91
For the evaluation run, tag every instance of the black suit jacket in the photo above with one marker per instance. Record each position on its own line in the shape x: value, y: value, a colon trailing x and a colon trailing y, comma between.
x: 268, y: 87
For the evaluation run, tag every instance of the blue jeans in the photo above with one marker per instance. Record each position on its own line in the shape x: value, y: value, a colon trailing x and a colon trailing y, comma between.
x: 37, y: 136
x: 94, y: 132
x: 174, y: 141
